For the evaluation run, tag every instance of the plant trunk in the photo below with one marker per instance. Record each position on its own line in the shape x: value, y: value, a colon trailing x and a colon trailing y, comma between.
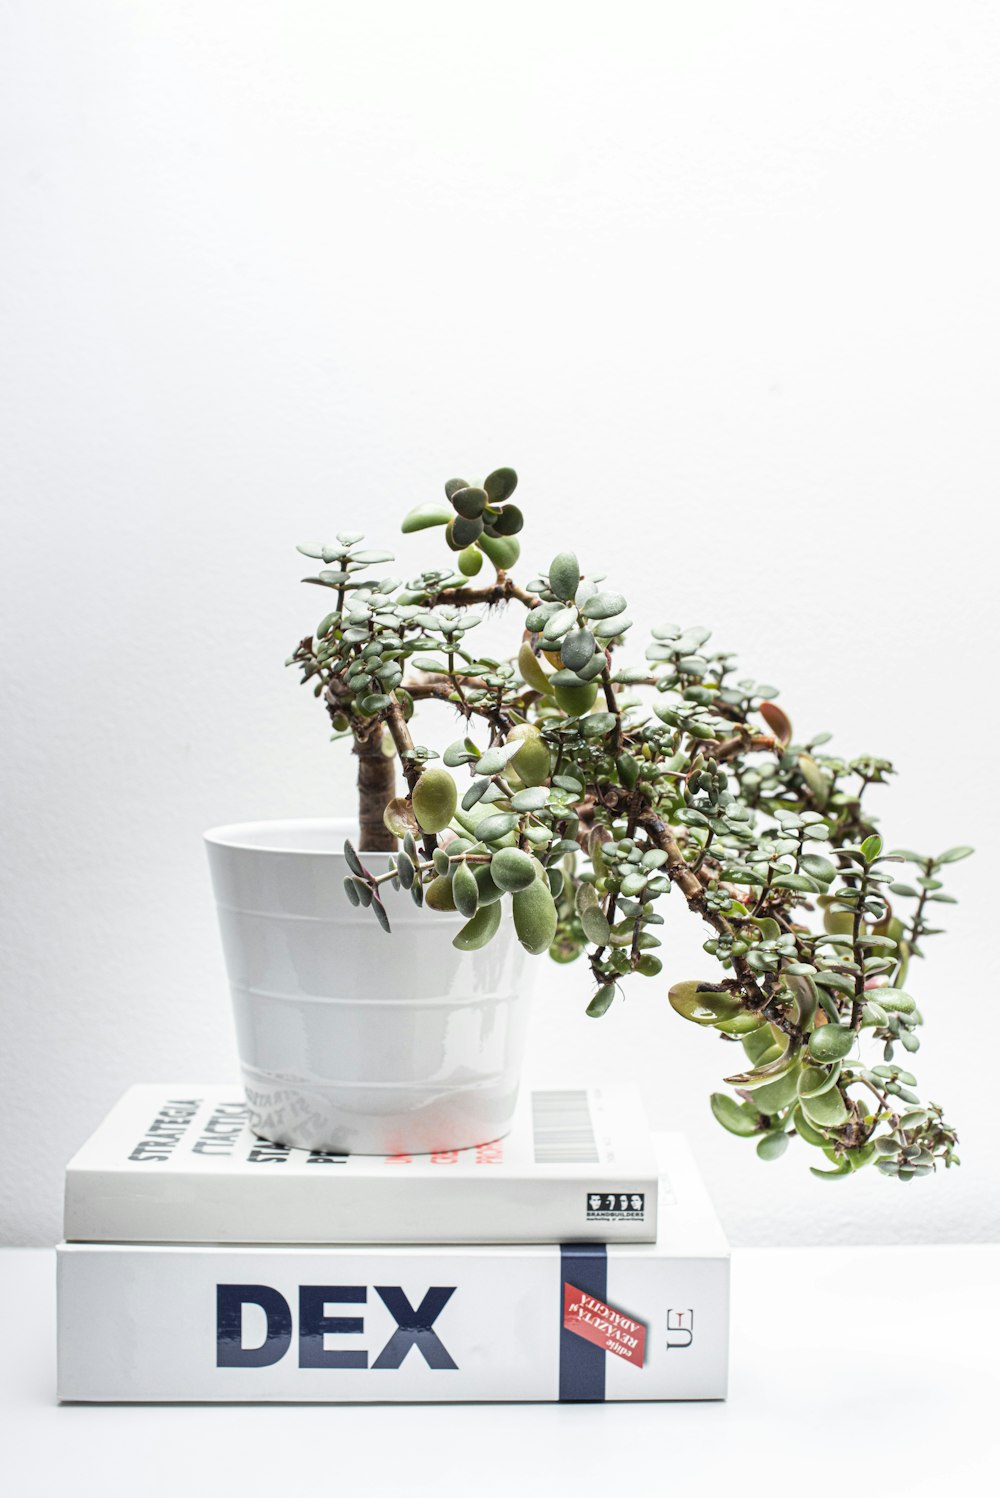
x: 376, y: 788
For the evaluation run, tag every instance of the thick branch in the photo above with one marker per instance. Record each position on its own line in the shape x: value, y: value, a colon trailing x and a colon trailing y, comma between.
x: 503, y: 590
x: 376, y: 788
x: 438, y: 688
x: 742, y: 743
x: 396, y: 724
x: 441, y: 689
x: 611, y: 702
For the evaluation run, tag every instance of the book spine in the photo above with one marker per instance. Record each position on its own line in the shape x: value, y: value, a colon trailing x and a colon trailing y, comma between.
x: 578, y: 1323
x: 112, y: 1207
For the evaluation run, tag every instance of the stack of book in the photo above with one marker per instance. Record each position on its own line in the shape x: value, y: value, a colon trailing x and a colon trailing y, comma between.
x: 576, y: 1259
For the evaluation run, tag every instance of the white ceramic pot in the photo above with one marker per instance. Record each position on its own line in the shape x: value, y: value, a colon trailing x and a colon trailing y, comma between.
x: 351, y: 1039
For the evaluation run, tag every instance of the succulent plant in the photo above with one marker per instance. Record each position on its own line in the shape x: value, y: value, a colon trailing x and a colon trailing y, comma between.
x: 582, y: 793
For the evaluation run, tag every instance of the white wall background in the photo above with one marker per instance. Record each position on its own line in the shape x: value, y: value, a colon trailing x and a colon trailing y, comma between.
x: 720, y: 280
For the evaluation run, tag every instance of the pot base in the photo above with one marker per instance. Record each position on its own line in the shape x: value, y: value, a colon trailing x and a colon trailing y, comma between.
x: 378, y: 1121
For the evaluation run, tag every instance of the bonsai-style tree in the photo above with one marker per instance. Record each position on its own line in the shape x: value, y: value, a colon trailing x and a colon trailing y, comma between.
x: 591, y: 791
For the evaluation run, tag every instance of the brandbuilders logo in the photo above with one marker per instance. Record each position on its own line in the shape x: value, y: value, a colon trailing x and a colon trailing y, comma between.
x: 616, y: 1206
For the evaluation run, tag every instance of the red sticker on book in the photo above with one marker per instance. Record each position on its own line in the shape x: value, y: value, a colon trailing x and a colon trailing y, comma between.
x: 601, y: 1324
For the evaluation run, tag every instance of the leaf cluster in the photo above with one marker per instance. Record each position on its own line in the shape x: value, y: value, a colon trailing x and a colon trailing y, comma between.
x: 582, y: 793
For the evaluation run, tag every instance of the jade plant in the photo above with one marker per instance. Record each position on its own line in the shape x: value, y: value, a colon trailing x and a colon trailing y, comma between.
x: 583, y: 792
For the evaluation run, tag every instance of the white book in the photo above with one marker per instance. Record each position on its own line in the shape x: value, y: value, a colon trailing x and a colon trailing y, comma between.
x: 180, y: 1165
x: 577, y: 1321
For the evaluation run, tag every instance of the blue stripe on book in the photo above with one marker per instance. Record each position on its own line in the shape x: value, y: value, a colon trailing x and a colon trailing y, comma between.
x: 581, y: 1364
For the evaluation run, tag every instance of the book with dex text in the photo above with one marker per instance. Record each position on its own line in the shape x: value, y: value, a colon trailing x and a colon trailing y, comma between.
x: 573, y: 1321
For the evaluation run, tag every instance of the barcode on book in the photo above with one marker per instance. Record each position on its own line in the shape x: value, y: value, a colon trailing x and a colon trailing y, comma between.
x: 562, y: 1129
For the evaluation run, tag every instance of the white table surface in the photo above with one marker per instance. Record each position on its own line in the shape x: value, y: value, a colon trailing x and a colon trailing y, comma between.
x: 868, y: 1371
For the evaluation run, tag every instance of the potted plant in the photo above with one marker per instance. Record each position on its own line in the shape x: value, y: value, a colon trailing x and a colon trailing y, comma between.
x: 582, y: 799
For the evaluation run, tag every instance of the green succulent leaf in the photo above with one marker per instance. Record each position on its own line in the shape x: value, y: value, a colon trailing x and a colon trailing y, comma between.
x: 807, y: 1131
x: 595, y: 926
x: 831, y: 1042
x: 465, y: 890
x: 768, y: 1071
x: 489, y: 892
x: 763, y: 1045
x: 470, y: 502
x: 894, y: 1000
x: 532, y: 798
x: 738, y: 1118
x: 773, y: 1097
x: 814, y: 779
x: 500, y: 485
x: 481, y: 929
x: 814, y: 1080
x: 424, y: 516
x: 602, y: 1001
x: 827, y: 1110
x: 604, y: 606
x: 772, y: 1146
x: 953, y: 855
x: 577, y: 649
x: 702, y: 1004
x: 503, y: 551
x: 535, y: 917
x: 495, y: 826
x: 496, y: 759
x: 742, y: 1025
x: 508, y: 521
x: 511, y: 869
x: 564, y: 576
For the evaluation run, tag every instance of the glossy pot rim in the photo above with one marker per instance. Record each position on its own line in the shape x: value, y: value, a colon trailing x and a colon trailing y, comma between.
x: 296, y: 835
